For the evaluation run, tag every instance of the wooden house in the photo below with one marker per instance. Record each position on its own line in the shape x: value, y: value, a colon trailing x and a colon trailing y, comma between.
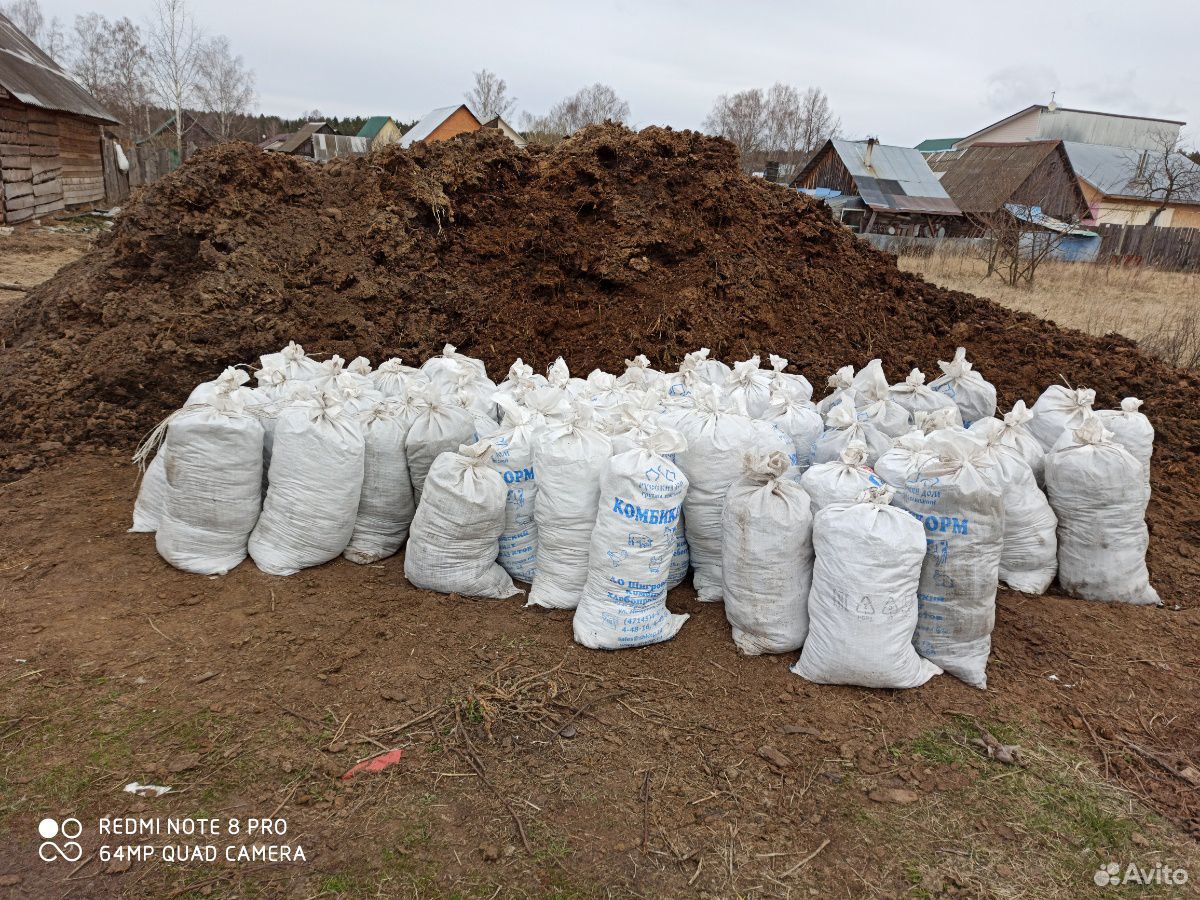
x: 876, y: 188
x: 986, y: 178
x: 380, y: 131
x: 52, y: 147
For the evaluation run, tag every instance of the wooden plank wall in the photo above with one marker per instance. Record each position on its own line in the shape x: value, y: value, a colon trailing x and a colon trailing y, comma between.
x: 48, y: 161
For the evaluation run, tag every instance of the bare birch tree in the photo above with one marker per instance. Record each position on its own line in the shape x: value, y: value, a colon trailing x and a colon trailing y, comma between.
x: 224, y: 86
x: 783, y: 124
x: 26, y: 15
x: 1163, y: 174
x: 740, y: 118
x: 489, y: 98
x: 817, y: 121
x: 588, y: 106
x: 175, y: 43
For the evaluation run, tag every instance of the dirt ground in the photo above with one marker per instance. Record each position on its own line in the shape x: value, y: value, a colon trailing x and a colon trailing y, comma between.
x: 675, y: 770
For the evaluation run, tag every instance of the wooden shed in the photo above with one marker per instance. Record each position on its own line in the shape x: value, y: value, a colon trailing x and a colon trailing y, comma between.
x: 51, y: 141
x: 986, y: 177
x: 875, y: 188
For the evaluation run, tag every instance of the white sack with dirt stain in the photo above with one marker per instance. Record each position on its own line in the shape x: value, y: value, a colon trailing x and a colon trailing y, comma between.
x: 213, y: 479
x: 862, y: 606
x: 455, y: 536
x: 766, y: 562
x: 1098, y: 491
x: 314, y: 486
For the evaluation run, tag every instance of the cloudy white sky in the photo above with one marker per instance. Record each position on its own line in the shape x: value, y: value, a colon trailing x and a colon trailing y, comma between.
x: 902, y: 71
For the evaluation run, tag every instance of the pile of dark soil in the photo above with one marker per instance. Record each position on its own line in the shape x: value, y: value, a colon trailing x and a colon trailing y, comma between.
x: 610, y: 244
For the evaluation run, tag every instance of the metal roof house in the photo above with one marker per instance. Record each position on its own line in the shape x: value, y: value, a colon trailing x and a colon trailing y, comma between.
x: 441, y: 124
x: 1053, y: 122
x: 446, y: 122
x: 53, y: 148
x: 875, y: 188
x: 1126, y: 186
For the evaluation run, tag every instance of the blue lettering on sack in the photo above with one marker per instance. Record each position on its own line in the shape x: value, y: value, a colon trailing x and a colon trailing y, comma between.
x: 645, y: 516
x: 942, y: 524
x: 512, y: 476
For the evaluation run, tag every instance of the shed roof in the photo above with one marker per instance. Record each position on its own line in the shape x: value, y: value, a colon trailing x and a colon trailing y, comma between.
x: 931, y: 145
x: 33, y: 78
x: 430, y: 121
x: 294, y: 141
x: 897, y: 179
x: 1112, y: 170
x: 373, y: 126
x: 984, y: 176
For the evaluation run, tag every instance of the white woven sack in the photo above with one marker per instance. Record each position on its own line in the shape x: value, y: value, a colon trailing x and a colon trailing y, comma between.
x: 446, y: 368
x: 750, y: 386
x: 839, y: 480
x: 903, y: 460
x: 152, y: 491
x: 766, y: 562
x: 640, y: 374
x: 916, y: 396
x: 937, y: 419
x: 386, y: 506
x: 1029, y: 557
x: 1058, y: 409
x: 843, y: 427
x: 716, y: 441
x: 624, y: 598
x: 1013, y: 432
x: 681, y: 559
x: 455, y: 535
x: 974, y: 395
x: 392, y: 376
x: 797, y: 418
x: 213, y: 485
x: 569, y: 459
x: 959, y: 502
x: 839, y: 382
x: 1097, y: 490
x: 794, y: 380
x: 512, y: 457
x: 862, y: 606
x: 152, y: 495
x: 520, y: 379
x: 440, y: 424
x: 314, y: 487
x: 293, y: 361
x: 1133, y: 431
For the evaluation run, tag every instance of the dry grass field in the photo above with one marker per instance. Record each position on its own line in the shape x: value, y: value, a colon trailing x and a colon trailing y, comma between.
x: 1160, y: 310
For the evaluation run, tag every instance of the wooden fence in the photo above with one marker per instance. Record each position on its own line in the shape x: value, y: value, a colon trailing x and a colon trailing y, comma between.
x: 1165, y: 248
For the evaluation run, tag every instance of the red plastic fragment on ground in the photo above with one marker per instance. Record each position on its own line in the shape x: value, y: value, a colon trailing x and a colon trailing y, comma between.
x: 375, y: 763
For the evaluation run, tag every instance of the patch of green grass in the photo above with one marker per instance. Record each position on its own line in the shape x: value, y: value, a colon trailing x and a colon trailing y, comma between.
x: 1055, y: 810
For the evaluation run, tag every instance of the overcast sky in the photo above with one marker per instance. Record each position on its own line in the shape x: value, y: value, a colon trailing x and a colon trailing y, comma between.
x: 902, y: 71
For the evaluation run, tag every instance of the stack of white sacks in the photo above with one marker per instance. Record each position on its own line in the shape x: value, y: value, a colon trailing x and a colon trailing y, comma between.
x: 869, y: 531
